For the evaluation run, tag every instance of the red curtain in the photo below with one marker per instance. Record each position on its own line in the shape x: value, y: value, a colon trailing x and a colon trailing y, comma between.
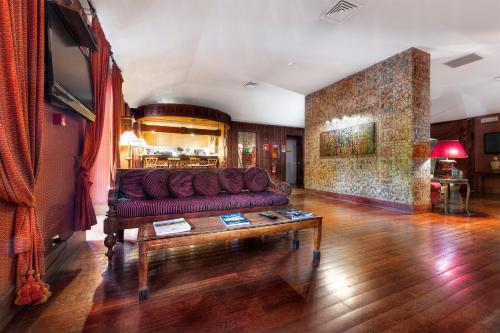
x: 21, y: 118
x: 118, y: 110
x: 84, y: 211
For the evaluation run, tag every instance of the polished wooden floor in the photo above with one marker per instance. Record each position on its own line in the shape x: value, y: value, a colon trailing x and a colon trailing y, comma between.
x: 380, y: 271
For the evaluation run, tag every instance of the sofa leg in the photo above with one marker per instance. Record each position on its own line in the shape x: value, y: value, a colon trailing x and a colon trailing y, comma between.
x: 109, y: 242
x: 120, y: 235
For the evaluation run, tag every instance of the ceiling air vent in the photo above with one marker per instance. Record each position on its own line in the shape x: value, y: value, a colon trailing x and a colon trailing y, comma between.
x: 466, y: 59
x: 342, y: 10
x: 250, y: 84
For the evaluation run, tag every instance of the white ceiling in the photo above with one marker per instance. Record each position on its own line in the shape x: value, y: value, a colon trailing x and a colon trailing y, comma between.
x: 202, y: 51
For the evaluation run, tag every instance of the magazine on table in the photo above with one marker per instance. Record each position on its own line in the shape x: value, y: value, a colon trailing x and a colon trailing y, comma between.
x: 232, y: 220
x: 171, y: 226
x: 295, y: 214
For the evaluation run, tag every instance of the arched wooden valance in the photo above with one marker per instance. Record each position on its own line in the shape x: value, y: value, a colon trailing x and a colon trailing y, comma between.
x: 181, y: 110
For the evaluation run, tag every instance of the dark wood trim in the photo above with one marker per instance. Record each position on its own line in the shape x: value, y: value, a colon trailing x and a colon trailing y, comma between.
x: 412, y: 209
x: 179, y: 130
x: 181, y: 110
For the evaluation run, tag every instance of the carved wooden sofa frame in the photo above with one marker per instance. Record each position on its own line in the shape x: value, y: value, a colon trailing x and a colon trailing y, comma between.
x: 114, y: 226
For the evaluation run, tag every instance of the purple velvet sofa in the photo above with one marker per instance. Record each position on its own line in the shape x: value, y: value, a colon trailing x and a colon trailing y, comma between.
x: 147, y: 195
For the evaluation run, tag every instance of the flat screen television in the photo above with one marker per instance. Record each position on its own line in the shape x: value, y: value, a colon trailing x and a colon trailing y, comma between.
x: 492, y: 143
x: 68, y: 69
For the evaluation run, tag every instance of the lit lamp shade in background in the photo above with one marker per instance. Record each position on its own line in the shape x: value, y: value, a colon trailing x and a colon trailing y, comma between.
x: 447, y: 149
x: 129, y: 139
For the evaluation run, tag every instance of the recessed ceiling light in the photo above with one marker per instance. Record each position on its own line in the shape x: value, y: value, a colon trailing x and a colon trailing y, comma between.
x: 291, y: 63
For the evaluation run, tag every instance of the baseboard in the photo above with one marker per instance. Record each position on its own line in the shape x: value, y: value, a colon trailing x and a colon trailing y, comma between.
x: 406, y: 208
x: 8, y: 308
x: 53, y: 262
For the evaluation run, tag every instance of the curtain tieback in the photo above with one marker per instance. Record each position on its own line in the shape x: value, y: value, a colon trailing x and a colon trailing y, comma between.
x: 85, y: 175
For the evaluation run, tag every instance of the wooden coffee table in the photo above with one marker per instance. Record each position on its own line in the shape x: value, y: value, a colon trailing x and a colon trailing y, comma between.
x: 211, y: 229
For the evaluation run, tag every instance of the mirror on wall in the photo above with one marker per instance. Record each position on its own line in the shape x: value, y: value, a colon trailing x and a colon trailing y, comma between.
x: 247, y: 149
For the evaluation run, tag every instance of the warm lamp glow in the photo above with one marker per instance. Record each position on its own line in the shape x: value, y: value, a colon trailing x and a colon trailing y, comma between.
x: 449, y: 149
x: 128, y: 138
x: 142, y: 143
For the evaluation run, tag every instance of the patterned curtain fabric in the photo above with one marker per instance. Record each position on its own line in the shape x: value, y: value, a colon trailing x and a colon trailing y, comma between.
x: 118, y: 110
x: 84, y: 211
x: 21, y: 118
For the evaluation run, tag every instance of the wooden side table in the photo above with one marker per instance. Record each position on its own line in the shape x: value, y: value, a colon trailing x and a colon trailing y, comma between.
x: 446, y: 182
x: 480, y: 176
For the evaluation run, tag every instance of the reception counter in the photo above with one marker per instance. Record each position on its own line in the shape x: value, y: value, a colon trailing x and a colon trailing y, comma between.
x: 182, y: 161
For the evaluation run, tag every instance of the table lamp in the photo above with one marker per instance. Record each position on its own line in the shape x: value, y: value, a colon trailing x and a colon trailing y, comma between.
x: 128, y: 138
x: 447, y: 149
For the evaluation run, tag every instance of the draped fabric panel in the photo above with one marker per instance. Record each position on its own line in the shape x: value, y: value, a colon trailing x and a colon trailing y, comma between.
x: 118, y: 110
x: 84, y: 211
x: 462, y: 130
x: 22, y: 33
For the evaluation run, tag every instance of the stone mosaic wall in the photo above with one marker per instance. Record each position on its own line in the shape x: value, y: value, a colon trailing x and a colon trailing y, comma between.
x: 395, y: 95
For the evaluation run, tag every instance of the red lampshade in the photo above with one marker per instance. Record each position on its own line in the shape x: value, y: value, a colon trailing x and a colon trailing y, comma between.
x: 449, y: 149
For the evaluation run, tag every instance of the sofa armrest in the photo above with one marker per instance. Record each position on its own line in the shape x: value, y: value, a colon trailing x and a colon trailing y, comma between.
x: 282, y: 187
x: 112, y: 197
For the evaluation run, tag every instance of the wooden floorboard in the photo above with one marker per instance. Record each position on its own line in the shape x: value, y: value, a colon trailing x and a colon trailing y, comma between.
x: 380, y: 271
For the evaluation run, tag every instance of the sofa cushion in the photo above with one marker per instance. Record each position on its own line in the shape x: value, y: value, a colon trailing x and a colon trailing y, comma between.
x: 180, y: 184
x: 131, y: 184
x: 231, y: 180
x: 255, y: 179
x: 155, y: 184
x: 138, y: 208
x: 206, y: 183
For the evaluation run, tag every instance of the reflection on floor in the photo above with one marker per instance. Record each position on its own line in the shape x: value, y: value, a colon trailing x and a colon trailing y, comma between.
x: 380, y: 270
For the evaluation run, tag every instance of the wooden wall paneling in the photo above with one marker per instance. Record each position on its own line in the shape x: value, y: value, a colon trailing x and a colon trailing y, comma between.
x: 181, y: 110
x: 266, y: 134
x: 179, y: 130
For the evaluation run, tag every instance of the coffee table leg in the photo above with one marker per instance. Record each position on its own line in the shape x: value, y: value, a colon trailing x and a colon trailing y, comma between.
x: 317, y: 240
x: 143, y: 272
x: 467, y: 199
x: 446, y: 198
x: 296, y: 242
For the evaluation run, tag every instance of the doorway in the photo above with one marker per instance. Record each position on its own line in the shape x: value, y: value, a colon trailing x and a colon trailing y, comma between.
x: 293, y: 163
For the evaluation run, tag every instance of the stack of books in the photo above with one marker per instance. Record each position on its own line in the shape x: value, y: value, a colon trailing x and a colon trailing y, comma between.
x: 295, y: 214
x: 171, y: 227
x: 233, y: 220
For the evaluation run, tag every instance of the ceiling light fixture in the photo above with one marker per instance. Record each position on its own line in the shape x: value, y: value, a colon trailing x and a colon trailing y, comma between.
x: 291, y: 63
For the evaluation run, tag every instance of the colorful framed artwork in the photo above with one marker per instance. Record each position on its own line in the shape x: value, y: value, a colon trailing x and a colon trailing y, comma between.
x: 350, y: 141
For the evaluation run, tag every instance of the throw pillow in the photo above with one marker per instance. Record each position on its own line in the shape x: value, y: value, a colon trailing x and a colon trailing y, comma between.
x: 206, y: 183
x: 255, y: 179
x: 180, y: 184
x: 231, y: 180
x: 155, y: 184
x: 131, y: 184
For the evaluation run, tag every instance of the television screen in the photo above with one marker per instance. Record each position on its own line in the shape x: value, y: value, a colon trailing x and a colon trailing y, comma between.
x: 69, y: 76
x: 492, y: 143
